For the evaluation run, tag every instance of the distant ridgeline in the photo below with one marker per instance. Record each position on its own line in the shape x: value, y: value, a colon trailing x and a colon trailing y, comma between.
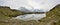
x: 4, y: 7
x: 8, y: 8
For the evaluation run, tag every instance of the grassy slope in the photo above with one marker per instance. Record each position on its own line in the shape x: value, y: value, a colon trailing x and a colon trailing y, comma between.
x: 53, y: 17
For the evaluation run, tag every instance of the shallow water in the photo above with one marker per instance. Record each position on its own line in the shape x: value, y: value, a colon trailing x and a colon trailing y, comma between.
x: 28, y: 17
